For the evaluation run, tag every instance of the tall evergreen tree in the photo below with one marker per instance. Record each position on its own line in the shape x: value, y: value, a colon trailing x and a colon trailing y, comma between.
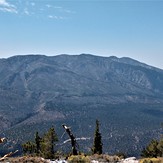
x: 97, y: 144
x: 42, y: 146
x: 48, y: 143
x: 37, y: 142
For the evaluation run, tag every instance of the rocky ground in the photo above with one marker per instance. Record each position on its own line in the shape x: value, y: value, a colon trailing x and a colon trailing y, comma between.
x: 85, y: 159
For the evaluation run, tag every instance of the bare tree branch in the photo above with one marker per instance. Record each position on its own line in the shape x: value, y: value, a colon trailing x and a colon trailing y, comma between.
x: 8, y: 154
x: 82, y: 138
x: 2, y: 140
x: 73, y: 140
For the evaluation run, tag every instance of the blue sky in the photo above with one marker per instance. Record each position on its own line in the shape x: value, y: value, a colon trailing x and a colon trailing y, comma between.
x: 121, y: 28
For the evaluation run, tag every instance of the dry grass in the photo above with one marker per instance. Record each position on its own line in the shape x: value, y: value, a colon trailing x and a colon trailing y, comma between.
x: 151, y: 160
x: 87, y: 159
x: 25, y: 159
x: 79, y: 159
x: 105, y: 158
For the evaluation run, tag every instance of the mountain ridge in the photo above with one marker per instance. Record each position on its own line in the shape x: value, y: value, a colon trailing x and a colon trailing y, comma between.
x: 39, y: 90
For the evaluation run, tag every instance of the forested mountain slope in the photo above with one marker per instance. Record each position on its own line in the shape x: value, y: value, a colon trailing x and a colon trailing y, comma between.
x: 124, y: 94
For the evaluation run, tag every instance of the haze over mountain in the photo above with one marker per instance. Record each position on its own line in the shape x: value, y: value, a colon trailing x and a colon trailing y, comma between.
x: 124, y: 94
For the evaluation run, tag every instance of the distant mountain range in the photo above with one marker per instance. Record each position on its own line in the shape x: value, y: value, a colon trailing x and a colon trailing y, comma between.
x: 124, y: 94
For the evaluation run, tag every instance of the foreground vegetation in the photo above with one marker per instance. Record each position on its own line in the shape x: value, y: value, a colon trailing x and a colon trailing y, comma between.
x: 151, y: 160
x: 153, y: 149
x: 43, y: 148
x: 80, y: 159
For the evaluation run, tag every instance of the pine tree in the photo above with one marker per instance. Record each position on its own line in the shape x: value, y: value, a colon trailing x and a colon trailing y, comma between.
x: 28, y: 147
x: 97, y: 144
x: 48, y: 143
x: 151, y: 150
x: 160, y: 148
x: 42, y: 146
x: 37, y: 142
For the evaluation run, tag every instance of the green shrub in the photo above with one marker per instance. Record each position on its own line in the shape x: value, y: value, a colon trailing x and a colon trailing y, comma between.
x: 78, y: 159
x: 105, y: 158
x: 150, y: 160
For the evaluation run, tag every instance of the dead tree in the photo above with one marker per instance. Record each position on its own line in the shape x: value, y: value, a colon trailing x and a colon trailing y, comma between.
x: 73, y: 140
x: 8, y: 154
x: 2, y: 140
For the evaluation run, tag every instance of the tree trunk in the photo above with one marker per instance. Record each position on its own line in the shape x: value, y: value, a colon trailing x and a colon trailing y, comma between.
x: 73, y: 141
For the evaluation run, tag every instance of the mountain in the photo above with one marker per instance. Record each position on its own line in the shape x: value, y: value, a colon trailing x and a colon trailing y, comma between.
x: 37, y: 91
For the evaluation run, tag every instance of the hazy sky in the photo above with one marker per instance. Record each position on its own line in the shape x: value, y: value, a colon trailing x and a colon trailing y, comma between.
x: 102, y: 27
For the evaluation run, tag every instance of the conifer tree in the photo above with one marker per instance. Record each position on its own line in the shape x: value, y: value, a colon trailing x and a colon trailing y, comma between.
x: 48, y: 143
x: 97, y: 144
x: 37, y: 142
x: 152, y: 149
x: 160, y: 147
x: 42, y: 146
x: 28, y: 147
